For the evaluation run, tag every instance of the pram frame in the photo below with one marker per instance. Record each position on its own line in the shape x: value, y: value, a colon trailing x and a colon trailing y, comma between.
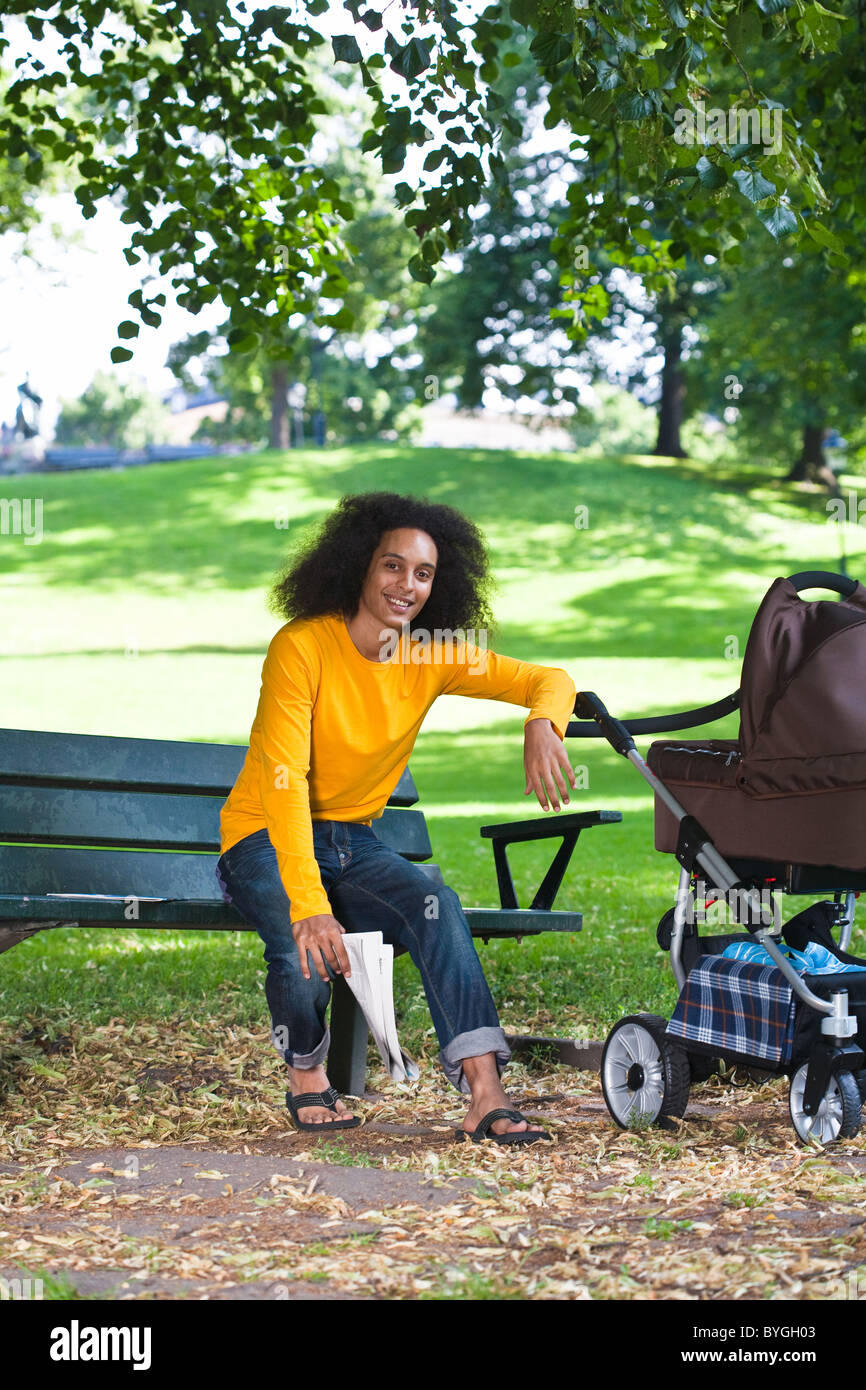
x: 837, y: 1051
x: 696, y: 849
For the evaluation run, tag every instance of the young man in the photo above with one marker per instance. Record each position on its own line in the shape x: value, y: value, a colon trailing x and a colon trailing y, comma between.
x: 374, y: 604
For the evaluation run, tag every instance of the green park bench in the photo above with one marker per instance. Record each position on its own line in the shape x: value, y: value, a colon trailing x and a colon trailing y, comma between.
x: 124, y: 833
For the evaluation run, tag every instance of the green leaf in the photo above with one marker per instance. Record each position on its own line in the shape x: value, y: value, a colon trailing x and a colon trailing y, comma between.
x: 525, y: 12
x: 346, y: 48
x: 633, y: 106
x: 673, y: 59
x: 779, y: 221
x: 754, y: 185
x: 120, y: 354
x: 596, y: 104
x: 412, y: 59
x: 710, y: 175
x: 824, y: 237
x: 343, y: 318
x: 241, y: 340
x: 608, y: 76
x: 820, y: 28
x: 678, y: 250
x: 743, y: 31
x: 551, y: 49
x: 127, y: 329
x: 675, y: 14
x: 420, y: 270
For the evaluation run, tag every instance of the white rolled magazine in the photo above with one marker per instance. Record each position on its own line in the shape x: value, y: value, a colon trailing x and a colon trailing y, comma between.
x: 372, y: 983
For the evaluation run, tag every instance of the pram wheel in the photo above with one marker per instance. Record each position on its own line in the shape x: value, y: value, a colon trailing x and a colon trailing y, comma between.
x: 644, y: 1076
x: 837, y: 1117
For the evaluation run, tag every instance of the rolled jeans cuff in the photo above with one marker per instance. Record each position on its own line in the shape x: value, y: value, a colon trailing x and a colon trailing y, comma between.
x: 304, y: 1060
x: 473, y: 1044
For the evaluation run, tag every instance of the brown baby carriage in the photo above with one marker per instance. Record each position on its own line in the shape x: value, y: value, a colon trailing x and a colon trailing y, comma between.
x: 778, y: 810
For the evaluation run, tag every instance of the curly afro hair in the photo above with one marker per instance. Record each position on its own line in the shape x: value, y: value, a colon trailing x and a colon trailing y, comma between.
x: 327, y: 574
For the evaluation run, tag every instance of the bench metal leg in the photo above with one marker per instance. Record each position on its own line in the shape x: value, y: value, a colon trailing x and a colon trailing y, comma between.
x: 347, y: 1059
x: 11, y: 935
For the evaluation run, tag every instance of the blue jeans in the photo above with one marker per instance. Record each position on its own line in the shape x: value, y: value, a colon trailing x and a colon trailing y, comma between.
x: 371, y: 888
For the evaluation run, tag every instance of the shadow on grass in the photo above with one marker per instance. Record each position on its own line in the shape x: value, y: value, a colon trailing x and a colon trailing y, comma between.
x: 227, y: 522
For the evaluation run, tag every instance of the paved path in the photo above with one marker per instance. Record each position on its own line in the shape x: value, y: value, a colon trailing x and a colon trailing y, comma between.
x: 191, y: 1200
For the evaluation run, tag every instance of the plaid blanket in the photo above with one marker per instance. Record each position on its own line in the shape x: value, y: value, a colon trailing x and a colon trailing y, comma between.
x: 736, y: 1006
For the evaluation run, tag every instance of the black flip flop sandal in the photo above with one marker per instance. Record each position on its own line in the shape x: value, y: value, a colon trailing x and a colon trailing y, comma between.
x: 328, y: 1099
x: 512, y: 1138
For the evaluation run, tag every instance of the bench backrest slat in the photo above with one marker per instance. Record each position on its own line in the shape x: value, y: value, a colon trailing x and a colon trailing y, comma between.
x: 92, y: 760
x: 122, y: 872
x: 147, y: 820
x: 39, y: 758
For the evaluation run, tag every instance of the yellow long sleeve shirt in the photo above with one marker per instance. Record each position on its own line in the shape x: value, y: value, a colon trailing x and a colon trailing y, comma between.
x: 333, y: 732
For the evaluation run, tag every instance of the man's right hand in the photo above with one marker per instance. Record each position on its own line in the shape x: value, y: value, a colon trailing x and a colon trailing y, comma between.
x: 322, y: 937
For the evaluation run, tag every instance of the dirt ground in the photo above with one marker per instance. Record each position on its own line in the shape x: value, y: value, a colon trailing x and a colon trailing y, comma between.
x: 154, y: 1180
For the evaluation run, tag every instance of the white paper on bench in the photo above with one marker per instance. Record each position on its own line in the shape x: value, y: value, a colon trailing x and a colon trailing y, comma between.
x: 372, y: 983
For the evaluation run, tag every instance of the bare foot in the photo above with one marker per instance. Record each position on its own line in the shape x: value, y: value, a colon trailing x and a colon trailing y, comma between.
x: 315, y: 1079
x: 488, y: 1094
x: 483, y: 1105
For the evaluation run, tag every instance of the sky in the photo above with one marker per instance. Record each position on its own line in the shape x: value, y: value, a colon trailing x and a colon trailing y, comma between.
x: 59, y: 313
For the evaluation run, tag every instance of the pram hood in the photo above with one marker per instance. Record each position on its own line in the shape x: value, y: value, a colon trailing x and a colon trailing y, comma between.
x: 803, y: 695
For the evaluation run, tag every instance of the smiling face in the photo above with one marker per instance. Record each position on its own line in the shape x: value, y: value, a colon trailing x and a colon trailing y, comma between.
x: 399, y: 578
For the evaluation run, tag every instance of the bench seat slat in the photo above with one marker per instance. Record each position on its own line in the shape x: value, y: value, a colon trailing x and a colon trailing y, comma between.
x: 216, y: 915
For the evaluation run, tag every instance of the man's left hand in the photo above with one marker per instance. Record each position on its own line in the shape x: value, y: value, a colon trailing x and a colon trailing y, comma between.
x: 545, y: 761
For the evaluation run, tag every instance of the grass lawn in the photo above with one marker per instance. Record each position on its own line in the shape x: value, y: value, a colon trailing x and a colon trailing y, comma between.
x: 142, y: 612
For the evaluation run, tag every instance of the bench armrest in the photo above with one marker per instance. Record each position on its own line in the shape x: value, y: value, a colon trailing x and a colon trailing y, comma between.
x: 567, y: 826
x: 537, y: 829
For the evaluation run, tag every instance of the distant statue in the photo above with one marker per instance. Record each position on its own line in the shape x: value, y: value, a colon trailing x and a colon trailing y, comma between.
x: 27, y: 428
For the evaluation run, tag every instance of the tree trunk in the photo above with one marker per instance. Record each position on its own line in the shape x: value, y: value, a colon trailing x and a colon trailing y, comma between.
x: 279, y: 407
x: 812, y: 465
x: 672, y: 398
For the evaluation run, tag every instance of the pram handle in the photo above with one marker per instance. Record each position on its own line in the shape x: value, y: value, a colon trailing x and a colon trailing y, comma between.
x: 616, y: 733
x: 823, y: 579
x: 658, y: 724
